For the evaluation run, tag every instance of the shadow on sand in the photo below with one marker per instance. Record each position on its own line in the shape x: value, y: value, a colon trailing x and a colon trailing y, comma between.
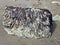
x: 53, y: 27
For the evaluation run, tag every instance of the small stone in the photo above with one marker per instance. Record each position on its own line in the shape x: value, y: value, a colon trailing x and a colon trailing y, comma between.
x: 56, y: 18
x: 14, y: 0
x: 55, y: 2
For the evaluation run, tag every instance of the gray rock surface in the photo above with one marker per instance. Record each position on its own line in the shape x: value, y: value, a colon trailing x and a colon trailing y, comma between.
x: 28, y: 22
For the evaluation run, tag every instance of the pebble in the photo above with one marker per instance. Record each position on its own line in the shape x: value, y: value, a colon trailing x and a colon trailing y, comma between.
x: 14, y: 0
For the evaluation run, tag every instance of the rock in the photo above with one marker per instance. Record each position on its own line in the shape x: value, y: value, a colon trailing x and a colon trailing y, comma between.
x: 14, y: 0
x: 56, y: 18
x: 28, y: 22
x: 55, y: 2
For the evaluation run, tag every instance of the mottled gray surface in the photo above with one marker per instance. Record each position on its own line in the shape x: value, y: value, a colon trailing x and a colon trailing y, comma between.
x: 6, y: 39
